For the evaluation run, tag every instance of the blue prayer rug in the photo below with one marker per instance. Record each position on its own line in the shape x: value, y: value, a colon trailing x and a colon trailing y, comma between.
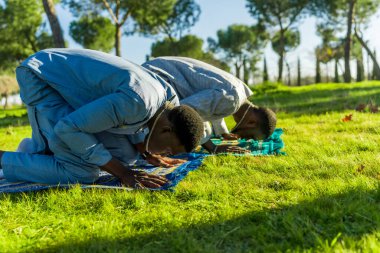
x: 270, y: 146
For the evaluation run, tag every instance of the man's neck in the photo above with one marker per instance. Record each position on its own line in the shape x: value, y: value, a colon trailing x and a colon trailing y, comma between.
x: 239, y: 113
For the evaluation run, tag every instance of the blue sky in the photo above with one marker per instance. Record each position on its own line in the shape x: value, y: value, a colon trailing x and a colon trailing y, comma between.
x: 218, y: 14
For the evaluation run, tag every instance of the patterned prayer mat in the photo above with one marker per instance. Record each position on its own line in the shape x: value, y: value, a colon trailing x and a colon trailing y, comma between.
x: 270, y: 146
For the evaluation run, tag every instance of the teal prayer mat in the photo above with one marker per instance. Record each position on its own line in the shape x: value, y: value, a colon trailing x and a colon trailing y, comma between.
x: 270, y: 146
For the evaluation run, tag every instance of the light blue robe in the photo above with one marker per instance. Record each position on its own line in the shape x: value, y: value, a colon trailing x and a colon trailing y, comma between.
x: 73, y: 96
x: 212, y: 92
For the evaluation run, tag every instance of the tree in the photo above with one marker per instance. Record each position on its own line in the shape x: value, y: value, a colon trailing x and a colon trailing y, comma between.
x: 375, y: 72
x: 357, y: 54
x: 331, y: 48
x: 187, y: 46
x: 21, y: 31
x: 283, y: 43
x: 129, y: 15
x: 94, y: 32
x: 54, y: 23
x: 298, y: 72
x: 185, y: 15
x: 376, y: 67
x: 282, y: 15
x: 348, y: 13
x: 265, y: 71
x: 347, y: 46
x: 238, y: 44
x: 318, y: 78
x: 336, y: 72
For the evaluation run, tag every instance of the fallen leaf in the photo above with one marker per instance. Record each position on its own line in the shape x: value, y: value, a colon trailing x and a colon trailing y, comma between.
x: 360, y: 107
x: 373, y: 108
x: 360, y: 169
x: 347, y: 118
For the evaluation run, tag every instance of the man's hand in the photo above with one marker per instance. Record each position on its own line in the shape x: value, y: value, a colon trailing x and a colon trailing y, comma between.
x: 158, y: 160
x: 131, y: 178
x: 230, y: 149
x: 230, y: 136
x: 141, y: 180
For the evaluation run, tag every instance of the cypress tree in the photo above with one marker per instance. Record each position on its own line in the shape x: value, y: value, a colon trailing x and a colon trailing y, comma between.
x: 298, y: 72
x: 336, y: 76
x: 318, y: 71
x: 265, y: 73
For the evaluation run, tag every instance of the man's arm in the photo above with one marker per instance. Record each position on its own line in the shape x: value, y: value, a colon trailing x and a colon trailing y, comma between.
x: 216, y: 149
x: 131, y: 178
x: 77, y: 129
x: 157, y: 160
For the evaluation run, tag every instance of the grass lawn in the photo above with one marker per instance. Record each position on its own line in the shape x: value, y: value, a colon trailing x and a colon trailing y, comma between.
x: 323, y: 196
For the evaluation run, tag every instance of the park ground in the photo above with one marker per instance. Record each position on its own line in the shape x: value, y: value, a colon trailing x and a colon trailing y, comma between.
x: 323, y: 196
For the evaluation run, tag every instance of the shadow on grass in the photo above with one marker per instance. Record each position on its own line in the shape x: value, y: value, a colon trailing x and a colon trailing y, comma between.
x: 316, y: 101
x: 307, y: 225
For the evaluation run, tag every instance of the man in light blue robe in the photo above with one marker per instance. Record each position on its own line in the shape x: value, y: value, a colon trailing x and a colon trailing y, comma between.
x: 215, y: 94
x: 74, y: 96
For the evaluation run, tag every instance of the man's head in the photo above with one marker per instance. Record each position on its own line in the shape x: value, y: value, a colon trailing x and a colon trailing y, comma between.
x: 177, y: 130
x: 255, y: 122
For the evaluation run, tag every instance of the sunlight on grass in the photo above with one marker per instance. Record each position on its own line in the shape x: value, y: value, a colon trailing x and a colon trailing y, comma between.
x: 322, y: 196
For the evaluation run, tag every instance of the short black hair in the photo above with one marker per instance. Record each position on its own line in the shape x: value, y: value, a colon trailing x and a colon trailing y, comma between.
x: 188, y: 126
x: 267, y: 120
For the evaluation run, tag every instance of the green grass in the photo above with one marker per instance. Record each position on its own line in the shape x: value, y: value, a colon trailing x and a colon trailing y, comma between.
x: 317, y: 198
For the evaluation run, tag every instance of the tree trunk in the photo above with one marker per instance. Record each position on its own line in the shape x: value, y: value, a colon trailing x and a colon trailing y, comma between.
x: 347, y: 46
x: 237, y: 70
x: 336, y: 72
x: 368, y: 68
x: 5, y: 102
x: 118, y: 40
x: 246, y: 72
x: 282, y: 56
x: 359, y: 69
x: 376, y: 67
x: 298, y: 72
x: 265, y: 74
x: 289, y: 76
x: 327, y: 72
x: 54, y: 23
x: 318, y: 71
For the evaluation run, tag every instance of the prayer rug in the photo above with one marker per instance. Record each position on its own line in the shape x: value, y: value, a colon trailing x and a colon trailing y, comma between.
x: 270, y: 146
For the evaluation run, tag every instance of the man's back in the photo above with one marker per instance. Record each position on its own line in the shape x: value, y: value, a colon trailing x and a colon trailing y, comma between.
x: 82, y: 76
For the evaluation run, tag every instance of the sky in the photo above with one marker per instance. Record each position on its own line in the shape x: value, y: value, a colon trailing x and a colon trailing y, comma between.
x: 219, y: 14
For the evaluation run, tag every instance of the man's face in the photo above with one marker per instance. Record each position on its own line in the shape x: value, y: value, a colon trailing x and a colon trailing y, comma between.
x: 165, y: 142
x: 249, y: 127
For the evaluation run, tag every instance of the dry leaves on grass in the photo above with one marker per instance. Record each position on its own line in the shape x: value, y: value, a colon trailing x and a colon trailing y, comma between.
x: 347, y: 118
x: 370, y: 107
x: 360, y: 169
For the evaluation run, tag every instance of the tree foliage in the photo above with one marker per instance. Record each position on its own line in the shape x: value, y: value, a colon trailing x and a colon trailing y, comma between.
x: 185, y: 15
x: 286, y: 42
x: 93, y: 32
x: 281, y: 16
x: 127, y: 16
x: 240, y: 44
x: 21, y: 31
x: 188, y: 46
x: 346, y: 15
